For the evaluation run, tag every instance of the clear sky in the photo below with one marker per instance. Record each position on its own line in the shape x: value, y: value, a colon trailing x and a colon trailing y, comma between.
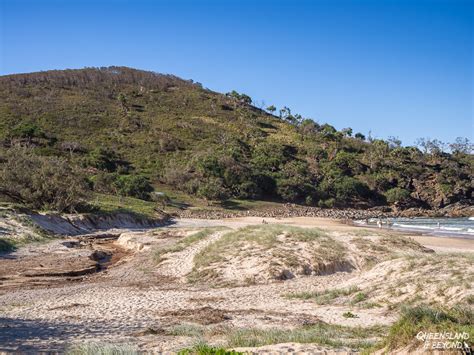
x: 394, y: 67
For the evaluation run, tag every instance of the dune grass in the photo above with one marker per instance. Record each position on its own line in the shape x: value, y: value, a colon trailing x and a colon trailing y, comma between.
x: 159, y: 254
x: 326, y: 296
x: 426, y: 319
x: 202, y: 348
x: 366, y: 339
x: 10, y: 240
x: 102, y: 349
x: 321, y: 333
x: 266, y: 237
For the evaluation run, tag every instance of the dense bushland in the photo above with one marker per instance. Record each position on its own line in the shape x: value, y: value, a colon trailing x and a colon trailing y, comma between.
x: 124, y: 130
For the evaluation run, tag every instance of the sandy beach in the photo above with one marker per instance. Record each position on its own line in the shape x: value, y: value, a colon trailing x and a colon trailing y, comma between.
x: 143, y: 288
x: 441, y: 243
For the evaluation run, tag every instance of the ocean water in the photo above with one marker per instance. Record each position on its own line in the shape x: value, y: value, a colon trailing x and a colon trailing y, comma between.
x: 456, y: 227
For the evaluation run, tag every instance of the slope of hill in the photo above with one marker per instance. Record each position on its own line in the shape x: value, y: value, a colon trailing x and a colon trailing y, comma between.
x: 124, y: 129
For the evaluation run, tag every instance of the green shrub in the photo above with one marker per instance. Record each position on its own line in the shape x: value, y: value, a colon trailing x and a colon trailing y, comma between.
x: 212, y: 189
x: 397, y: 194
x: 104, y: 182
x: 429, y: 320
x: 347, y: 163
x: 347, y: 188
x: 248, y: 190
x: 38, y: 182
x: 27, y: 130
x: 204, y: 349
x: 359, y: 297
x: 328, y: 203
x: 107, y: 160
x: 6, y: 246
x: 350, y: 315
x: 134, y: 186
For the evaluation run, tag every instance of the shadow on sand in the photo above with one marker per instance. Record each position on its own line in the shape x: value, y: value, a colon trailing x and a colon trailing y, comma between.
x: 37, y: 336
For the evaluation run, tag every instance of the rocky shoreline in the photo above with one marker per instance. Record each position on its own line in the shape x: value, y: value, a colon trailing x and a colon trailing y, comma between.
x: 292, y: 210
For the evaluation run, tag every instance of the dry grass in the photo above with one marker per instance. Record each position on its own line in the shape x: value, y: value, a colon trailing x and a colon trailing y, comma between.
x: 336, y: 336
x: 326, y: 296
x: 102, y: 349
x: 160, y: 254
x: 412, y: 279
x: 424, y: 318
x: 272, y: 248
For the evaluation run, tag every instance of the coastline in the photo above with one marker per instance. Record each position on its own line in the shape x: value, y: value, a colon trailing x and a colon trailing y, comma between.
x: 294, y: 210
x: 443, y: 242
x: 342, y: 226
x: 436, y: 233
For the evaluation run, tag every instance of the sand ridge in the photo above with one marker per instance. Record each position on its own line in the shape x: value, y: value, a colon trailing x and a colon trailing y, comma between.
x: 122, y: 303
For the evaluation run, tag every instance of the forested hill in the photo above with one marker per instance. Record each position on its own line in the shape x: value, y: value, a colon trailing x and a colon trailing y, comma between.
x: 118, y: 130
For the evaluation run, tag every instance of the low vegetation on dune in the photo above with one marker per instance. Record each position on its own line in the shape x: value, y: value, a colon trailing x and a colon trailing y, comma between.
x: 18, y: 230
x: 266, y: 253
x: 399, y: 271
x: 259, y: 254
x: 120, y: 131
x: 335, y: 336
x: 202, y: 348
x: 352, y: 293
x: 402, y: 335
x: 94, y: 348
x: 161, y: 254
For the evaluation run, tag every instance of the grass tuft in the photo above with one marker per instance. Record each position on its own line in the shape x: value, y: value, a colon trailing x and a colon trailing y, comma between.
x: 427, y: 319
x: 202, y: 348
x: 324, y: 334
x: 349, y: 315
x: 102, y: 349
x: 327, y: 296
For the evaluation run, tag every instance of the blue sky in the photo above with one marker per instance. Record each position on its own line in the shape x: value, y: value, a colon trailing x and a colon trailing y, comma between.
x: 396, y: 68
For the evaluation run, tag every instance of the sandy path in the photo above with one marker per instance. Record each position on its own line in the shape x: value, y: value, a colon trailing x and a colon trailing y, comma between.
x: 181, y: 263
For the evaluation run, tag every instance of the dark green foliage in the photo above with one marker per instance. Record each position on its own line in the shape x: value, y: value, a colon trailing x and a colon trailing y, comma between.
x: 204, y: 349
x: 104, y: 182
x: 212, y: 188
x: 271, y: 109
x: 243, y: 98
x: 134, y: 186
x: 347, y: 163
x: 347, y: 188
x: 26, y: 130
x: 429, y: 320
x: 293, y: 182
x: 6, y: 246
x: 41, y: 182
x: 397, y: 194
x: 137, y: 186
x: 104, y: 159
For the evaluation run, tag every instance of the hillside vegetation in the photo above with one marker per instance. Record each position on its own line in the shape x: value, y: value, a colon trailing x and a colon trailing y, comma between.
x: 122, y: 131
